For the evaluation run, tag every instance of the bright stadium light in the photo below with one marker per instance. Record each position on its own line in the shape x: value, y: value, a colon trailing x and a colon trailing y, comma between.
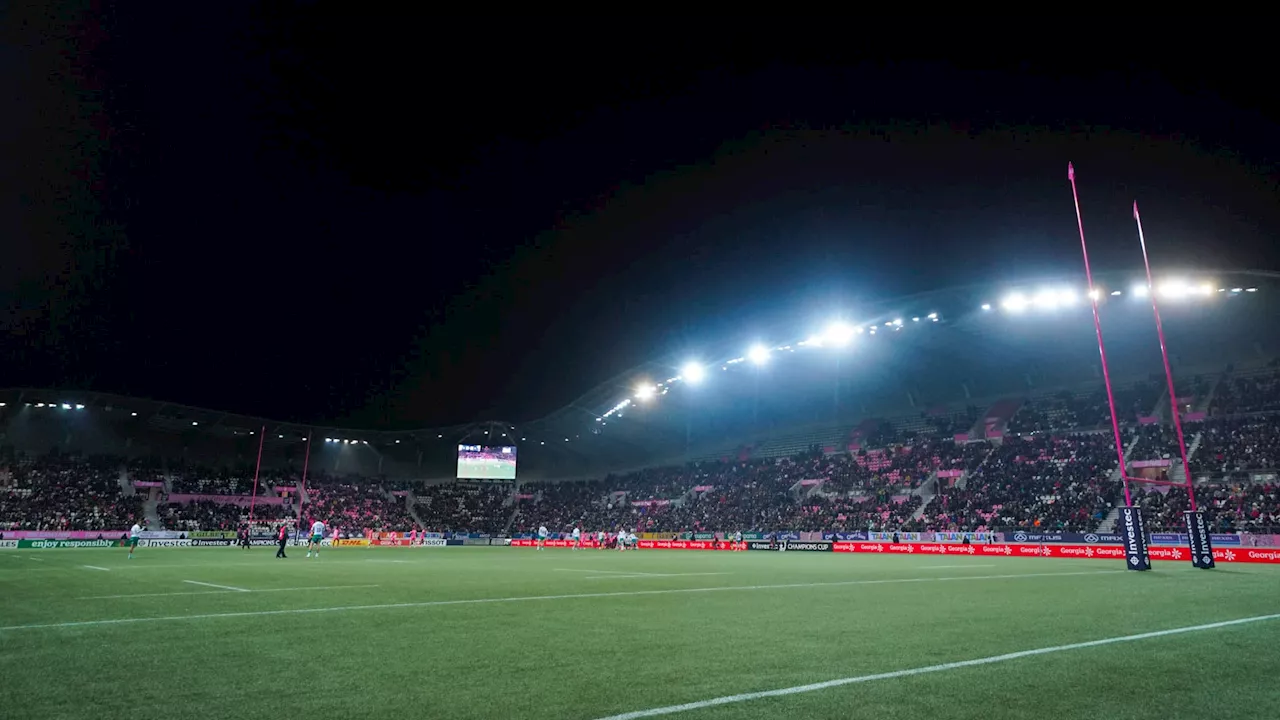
x: 758, y: 354
x: 1115, y: 293
x: 1139, y: 291
x: 1205, y: 289
x: 1015, y: 302
x: 838, y: 334
x: 693, y: 372
x: 986, y: 306
x: 1174, y: 289
x: 1047, y: 300
x: 644, y: 391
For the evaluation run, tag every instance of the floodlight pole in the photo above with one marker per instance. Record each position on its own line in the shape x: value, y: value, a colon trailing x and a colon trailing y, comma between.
x: 1164, y: 354
x: 1097, y: 326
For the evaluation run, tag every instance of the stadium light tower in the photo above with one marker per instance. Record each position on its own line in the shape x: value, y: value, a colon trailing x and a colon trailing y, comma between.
x: 644, y: 391
x: 693, y: 372
x: 758, y: 354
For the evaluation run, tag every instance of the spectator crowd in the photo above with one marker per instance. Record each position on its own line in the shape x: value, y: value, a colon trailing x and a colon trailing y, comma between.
x: 1054, y: 471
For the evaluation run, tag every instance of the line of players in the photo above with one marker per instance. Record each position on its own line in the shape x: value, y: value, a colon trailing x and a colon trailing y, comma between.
x: 242, y: 538
x: 621, y: 540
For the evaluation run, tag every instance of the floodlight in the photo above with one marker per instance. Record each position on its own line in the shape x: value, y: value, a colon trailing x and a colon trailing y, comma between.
x: 693, y: 372
x: 1016, y: 302
x: 758, y: 354
x: 1046, y: 300
x: 1139, y: 291
x: 1115, y: 293
x: 838, y: 334
x: 1174, y: 288
x: 644, y: 391
x: 986, y: 306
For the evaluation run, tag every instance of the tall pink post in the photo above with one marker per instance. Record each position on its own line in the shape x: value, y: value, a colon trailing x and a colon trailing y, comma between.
x: 1097, y: 326
x: 256, y: 470
x: 1164, y: 353
x: 306, y: 461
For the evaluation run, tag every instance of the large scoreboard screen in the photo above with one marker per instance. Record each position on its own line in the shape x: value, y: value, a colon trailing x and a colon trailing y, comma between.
x: 479, y: 462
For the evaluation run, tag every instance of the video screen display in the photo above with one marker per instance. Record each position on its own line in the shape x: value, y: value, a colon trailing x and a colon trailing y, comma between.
x: 478, y: 462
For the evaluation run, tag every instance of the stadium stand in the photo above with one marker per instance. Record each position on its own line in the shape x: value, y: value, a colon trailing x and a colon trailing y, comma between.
x: 1235, y: 444
x: 61, y: 492
x: 1084, y: 410
x: 464, y: 507
x: 1046, y: 482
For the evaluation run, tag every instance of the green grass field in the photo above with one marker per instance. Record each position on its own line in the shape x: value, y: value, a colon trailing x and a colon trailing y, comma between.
x: 486, y: 469
x: 517, y: 633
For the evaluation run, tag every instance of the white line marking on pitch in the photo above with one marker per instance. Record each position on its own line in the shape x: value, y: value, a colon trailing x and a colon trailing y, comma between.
x: 220, y: 587
x: 634, y: 573
x: 226, y: 592
x: 95, y: 567
x: 530, y: 598
x: 949, y: 567
x: 650, y: 575
x: 744, y: 697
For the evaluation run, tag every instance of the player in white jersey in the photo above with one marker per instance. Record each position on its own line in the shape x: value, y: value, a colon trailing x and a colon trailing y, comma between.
x: 622, y: 540
x: 135, y: 534
x: 599, y: 539
x: 542, y: 536
x: 577, y: 538
x: 317, y: 534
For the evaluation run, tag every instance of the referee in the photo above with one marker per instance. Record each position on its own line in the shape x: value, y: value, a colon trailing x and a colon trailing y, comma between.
x: 283, y: 538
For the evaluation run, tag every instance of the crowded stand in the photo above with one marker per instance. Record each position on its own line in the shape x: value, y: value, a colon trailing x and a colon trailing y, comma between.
x: 61, y: 492
x: 1040, y: 481
x: 211, y: 481
x: 209, y: 515
x: 357, y: 503
x: 1238, y: 394
x: 1084, y: 410
x: 1049, y: 478
x: 1238, y: 444
x: 1227, y: 507
x: 1155, y: 442
x: 464, y: 507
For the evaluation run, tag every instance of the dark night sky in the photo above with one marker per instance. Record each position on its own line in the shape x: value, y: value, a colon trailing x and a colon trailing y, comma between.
x: 317, y: 217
